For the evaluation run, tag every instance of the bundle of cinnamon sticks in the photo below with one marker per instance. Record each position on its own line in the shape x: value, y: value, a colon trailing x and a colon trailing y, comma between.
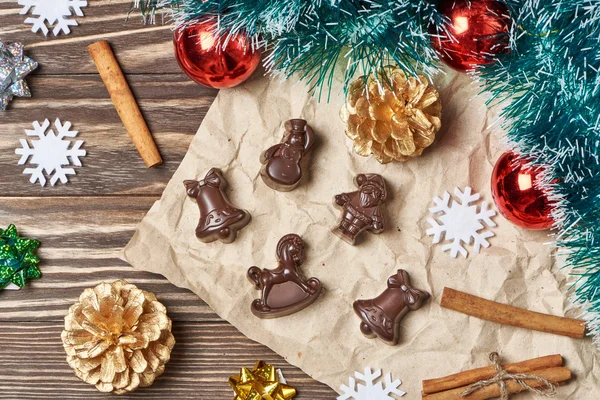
x: 451, y: 387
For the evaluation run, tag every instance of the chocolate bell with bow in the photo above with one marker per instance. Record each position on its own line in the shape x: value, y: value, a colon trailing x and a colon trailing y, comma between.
x: 381, y: 316
x: 219, y: 219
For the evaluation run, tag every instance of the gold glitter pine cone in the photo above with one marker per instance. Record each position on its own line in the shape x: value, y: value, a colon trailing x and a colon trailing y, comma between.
x: 393, y: 116
x: 118, y: 337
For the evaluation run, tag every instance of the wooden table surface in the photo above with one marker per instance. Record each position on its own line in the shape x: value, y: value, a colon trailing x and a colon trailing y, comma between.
x: 83, y: 224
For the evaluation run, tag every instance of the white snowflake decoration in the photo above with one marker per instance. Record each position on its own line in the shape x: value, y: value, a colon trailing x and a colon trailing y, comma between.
x: 371, y: 390
x: 50, y: 152
x: 461, y: 222
x: 52, y: 12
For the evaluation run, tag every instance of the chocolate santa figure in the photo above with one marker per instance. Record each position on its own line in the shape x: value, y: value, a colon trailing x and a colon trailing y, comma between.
x: 219, y: 219
x: 283, y: 162
x: 363, y: 209
x: 381, y: 316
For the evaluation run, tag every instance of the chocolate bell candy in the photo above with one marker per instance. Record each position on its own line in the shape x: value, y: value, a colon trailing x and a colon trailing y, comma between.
x: 284, y: 162
x: 219, y: 219
x: 284, y: 291
x: 362, y: 209
x: 381, y: 316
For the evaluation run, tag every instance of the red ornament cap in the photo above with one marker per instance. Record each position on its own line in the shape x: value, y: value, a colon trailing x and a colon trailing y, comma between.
x: 478, y: 31
x: 516, y: 192
x: 202, y: 57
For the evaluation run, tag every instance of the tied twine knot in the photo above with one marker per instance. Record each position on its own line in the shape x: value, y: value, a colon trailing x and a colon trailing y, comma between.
x: 546, y: 389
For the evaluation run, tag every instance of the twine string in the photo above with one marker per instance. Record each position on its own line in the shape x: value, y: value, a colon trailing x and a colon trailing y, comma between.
x: 547, y: 389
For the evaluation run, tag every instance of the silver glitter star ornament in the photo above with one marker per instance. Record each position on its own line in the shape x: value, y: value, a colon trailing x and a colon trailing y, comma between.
x: 14, y: 67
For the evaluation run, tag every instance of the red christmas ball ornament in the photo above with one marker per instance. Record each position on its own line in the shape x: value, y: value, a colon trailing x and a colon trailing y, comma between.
x: 517, y: 195
x: 478, y: 31
x: 204, y: 59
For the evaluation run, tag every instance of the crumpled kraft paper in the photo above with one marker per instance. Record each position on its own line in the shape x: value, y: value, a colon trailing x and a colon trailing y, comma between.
x: 324, y: 340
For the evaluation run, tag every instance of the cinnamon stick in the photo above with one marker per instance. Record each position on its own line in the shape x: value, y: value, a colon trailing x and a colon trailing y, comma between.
x: 555, y: 375
x: 475, y: 375
x: 509, y: 315
x: 124, y: 102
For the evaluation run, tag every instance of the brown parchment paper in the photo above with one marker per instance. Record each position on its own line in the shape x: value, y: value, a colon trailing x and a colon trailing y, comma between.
x: 324, y: 340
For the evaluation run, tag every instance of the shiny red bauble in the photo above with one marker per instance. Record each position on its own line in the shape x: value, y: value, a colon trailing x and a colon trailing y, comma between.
x: 204, y: 59
x: 517, y: 195
x: 478, y: 32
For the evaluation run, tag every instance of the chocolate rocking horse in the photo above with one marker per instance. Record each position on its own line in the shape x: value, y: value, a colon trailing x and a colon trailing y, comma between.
x: 284, y: 291
x: 219, y: 219
x: 381, y: 316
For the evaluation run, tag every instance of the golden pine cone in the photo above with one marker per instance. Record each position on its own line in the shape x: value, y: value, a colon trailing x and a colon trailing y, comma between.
x: 394, y: 121
x: 117, y: 337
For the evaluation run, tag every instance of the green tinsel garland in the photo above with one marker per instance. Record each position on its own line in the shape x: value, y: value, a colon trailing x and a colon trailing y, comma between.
x: 18, y: 262
x: 310, y: 37
x: 548, y: 86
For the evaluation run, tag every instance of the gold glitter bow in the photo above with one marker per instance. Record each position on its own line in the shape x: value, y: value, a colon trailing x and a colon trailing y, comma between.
x: 262, y: 383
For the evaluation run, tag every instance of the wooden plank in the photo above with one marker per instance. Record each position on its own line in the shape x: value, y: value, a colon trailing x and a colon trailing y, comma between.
x: 140, y: 48
x: 81, y: 239
x: 33, y: 365
x: 49, y: 298
x: 173, y: 106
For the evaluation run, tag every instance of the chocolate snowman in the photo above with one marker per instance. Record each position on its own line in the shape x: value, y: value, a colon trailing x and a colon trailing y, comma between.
x: 283, y: 163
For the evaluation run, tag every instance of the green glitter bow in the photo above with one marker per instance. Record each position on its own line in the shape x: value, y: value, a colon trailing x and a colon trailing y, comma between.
x: 18, y: 262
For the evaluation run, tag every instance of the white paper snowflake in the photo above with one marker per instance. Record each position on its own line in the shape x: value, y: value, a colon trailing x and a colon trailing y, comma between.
x: 51, y: 152
x: 461, y: 222
x: 52, y: 12
x: 371, y: 390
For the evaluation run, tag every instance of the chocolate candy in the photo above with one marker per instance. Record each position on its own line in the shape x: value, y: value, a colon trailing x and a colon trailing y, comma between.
x: 362, y: 208
x: 381, y: 316
x: 219, y: 219
x: 284, y: 291
x: 283, y: 163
